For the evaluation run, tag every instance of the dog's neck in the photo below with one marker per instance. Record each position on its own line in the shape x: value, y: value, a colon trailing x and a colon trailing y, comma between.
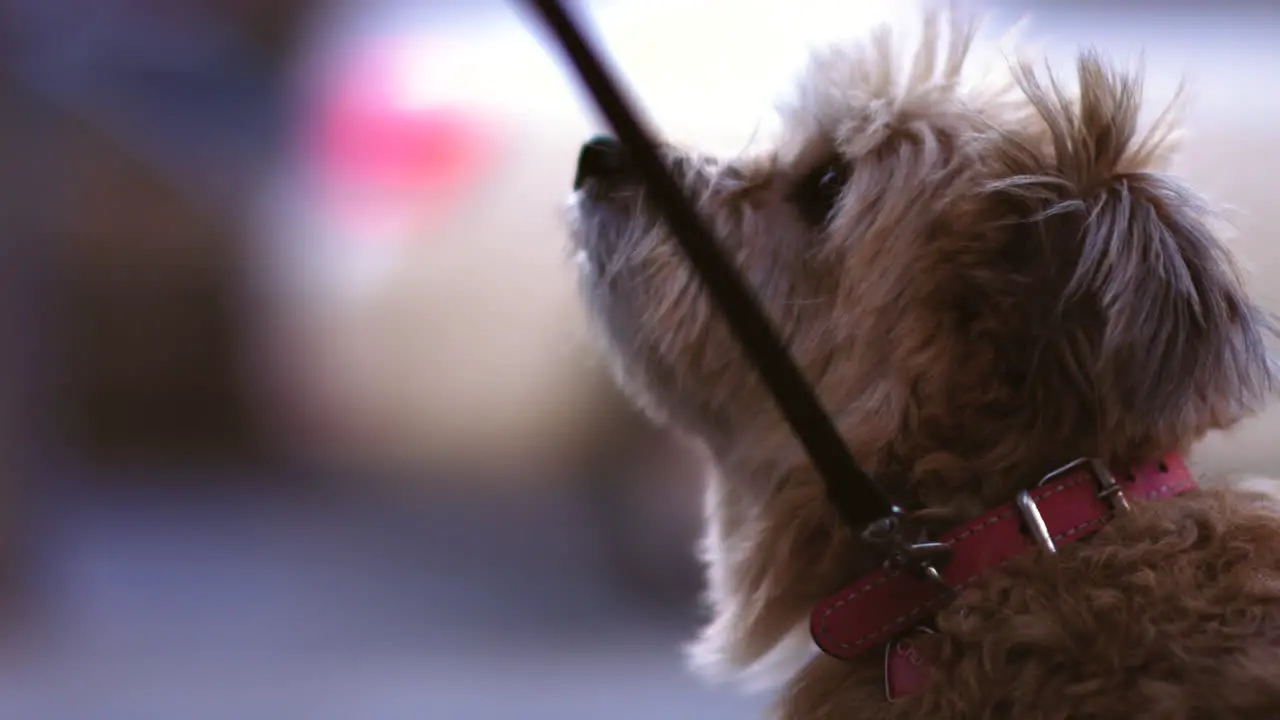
x: 776, y: 547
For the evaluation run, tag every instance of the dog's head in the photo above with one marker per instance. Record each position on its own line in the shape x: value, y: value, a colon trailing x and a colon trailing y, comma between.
x: 982, y: 283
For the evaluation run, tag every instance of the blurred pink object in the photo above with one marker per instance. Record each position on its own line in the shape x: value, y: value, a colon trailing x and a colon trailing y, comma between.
x: 383, y: 136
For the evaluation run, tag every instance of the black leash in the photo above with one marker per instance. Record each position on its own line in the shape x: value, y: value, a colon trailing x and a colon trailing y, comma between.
x: 849, y: 488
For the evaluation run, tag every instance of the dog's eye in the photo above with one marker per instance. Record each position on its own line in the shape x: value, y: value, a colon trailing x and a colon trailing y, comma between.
x: 816, y: 194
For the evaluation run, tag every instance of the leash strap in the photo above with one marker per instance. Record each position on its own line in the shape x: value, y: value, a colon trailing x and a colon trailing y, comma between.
x: 848, y: 487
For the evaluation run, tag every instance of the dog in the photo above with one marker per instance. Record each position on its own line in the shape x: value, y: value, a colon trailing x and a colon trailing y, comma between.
x: 983, y: 282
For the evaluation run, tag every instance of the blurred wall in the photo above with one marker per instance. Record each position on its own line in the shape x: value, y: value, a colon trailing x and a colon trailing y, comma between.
x: 19, y: 333
x: 151, y: 116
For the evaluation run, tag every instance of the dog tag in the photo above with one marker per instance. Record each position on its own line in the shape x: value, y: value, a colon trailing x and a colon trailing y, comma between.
x: 908, y: 665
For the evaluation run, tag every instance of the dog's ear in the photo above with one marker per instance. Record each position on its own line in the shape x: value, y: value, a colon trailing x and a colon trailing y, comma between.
x: 1150, y: 321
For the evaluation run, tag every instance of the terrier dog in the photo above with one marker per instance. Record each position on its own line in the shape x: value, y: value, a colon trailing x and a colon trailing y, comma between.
x: 983, y: 284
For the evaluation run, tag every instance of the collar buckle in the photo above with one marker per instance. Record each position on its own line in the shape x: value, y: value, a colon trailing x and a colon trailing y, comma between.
x: 1109, y: 490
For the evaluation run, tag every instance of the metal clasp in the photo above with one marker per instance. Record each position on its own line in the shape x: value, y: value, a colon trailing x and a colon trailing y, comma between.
x: 1109, y: 489
x: 922, y: 557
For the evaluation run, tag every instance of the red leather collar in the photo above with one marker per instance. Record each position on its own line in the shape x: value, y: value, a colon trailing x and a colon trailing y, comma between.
x: 1071, y: 503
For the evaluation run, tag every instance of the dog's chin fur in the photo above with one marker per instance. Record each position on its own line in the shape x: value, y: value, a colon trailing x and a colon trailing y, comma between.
x: 1004, y: 282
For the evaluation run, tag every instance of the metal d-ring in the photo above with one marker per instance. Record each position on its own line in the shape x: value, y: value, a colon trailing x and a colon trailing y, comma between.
x: 923, y: 558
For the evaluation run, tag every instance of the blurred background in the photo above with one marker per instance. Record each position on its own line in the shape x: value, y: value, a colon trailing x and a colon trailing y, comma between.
x: 300, y: 417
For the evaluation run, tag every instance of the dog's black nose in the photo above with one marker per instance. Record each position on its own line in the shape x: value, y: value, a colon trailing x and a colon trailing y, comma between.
x: 601, y: 158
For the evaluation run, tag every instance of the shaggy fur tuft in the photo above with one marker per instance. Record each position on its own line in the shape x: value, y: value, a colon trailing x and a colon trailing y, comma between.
x: 983, y: 281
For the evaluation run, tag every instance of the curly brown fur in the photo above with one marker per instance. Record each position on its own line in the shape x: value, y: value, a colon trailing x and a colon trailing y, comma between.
x: 1004, y: 282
